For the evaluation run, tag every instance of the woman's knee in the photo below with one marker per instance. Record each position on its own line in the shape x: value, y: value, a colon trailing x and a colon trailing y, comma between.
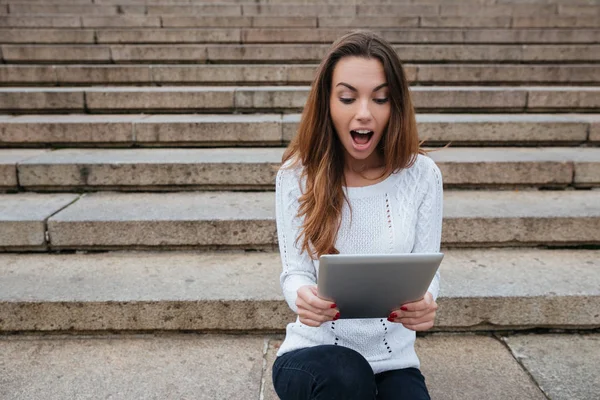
x: 337, y: 371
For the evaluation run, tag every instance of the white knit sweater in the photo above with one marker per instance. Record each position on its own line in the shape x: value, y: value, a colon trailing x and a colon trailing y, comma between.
x: 412, y: 200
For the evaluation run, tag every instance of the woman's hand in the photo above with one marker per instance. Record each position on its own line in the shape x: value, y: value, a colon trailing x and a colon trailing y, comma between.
x: 416, y: 316
x: 312, y: 309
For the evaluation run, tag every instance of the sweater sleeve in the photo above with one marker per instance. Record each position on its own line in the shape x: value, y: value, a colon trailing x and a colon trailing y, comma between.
x: 298, y: 267
x: 428, y: 233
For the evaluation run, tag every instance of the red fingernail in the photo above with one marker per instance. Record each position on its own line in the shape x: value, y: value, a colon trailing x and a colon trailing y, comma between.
x: 404, y: 308
x: 393, y: 315
x: 337, y: 316
x: 391, y: 320
x: 334, y: 305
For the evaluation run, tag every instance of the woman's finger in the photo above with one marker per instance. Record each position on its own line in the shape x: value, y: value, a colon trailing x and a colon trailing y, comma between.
x: 329, y: 313
x: 416, y: 321
x: 310, y: 322
x: 310, y: 296
x: 410, y: 314
x: 425, y: 303
x: 423, y: 318
x: 420, y: 327
x: 314, y: 317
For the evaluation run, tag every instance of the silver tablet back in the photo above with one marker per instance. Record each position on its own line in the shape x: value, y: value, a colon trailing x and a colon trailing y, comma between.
x: 372, y: 285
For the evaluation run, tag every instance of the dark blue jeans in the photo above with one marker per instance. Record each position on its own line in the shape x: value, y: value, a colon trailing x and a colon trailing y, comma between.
x: 337, y: 372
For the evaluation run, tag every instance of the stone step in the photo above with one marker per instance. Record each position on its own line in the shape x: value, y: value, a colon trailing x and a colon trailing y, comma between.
x: 141, y: 291
x: 246, y: 220
x: 277, y: 130
x: 297, y: 35
x: 233, y: 367
x: 379, y: 21
x: 256, y: 168
x: 293, y: 53
x: 282, y: 74
x: 332, y: 2
x: 226, y: 99
x: 295, y: 8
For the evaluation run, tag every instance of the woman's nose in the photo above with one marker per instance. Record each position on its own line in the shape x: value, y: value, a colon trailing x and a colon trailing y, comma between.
x: 363, y: 112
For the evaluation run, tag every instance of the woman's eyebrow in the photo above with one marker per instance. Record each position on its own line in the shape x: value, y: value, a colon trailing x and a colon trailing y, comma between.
x: 355, y: 90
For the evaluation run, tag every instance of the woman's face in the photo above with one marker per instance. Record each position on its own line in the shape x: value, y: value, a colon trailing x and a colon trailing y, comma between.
x: 360, y: 106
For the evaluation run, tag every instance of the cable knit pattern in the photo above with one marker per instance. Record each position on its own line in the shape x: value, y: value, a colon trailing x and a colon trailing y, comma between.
x: 401, y: 214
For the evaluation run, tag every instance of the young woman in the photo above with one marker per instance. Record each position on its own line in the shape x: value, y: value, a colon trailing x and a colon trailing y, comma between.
x: 354, y: 180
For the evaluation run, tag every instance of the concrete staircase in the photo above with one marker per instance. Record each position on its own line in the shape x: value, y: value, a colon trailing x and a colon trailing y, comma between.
x: 139, y: 141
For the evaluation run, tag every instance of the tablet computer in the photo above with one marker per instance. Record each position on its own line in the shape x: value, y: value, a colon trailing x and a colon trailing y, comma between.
x: 373, y: 285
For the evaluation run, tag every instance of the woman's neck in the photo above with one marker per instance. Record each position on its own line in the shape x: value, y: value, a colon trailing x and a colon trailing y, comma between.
x: 352, y: 166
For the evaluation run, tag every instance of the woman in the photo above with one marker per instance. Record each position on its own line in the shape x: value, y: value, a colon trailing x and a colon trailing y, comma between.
x: 354, y: 180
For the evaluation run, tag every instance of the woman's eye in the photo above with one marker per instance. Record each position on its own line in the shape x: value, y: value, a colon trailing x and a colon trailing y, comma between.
x: 345, y: 100
x: 381, y: 101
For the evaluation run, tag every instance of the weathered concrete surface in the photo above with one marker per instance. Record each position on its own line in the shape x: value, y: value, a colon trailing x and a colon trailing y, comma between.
x: 396, y: 35
x: 564, y: 366
x: 22, y: 218
x: 291, y: 74
x: 148, y: 99
x: 555, y: 22
x: 158, y: 53
x: 125, y: 291
x: 41, y: 99
x: 530, y: 74
x: 179, y: 21
x: 108, y: 74
x: 277, y: 129
x: 195, y: 9
x: 472, y: 367
x: 466, y: 21
x: 476, y: 35
x: 75, y: 9
x: 43, y: 36
x: 173, y: 219
x: 132, y: 367
x: 520, y: 218
x: 225, y: 74
x: 246, y: 220
x: 210, y: 129
x: 56, y: 53
x: 468, y: 97
x: 121, y: 21
x: 137, y: 168
x: 206, y: 98
x: 594, y: 127
x: 508, y: 289
x: 20, y: 74
x: 169, y: 35
x: 294, y: 52
x: 73, y: 128
x: 560, y: 97
x: 271, y: 97
x: 267, y: 389
x: 498, y: 9
x: 519, y: 166
x: 230, y: 366
x: 503, y: 128
x: 198, y: 21
x: 252, y: 168
x: 266, y: 53
x: 8, y: 165
x: 21, y: 21
x: 366, y: 21
x: 297, y: 9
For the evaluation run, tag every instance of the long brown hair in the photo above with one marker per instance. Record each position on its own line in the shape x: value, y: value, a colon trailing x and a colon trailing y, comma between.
x: 319, y: 151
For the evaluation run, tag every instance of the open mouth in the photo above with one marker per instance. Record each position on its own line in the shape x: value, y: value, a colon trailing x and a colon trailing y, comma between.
x: 361, y: 137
